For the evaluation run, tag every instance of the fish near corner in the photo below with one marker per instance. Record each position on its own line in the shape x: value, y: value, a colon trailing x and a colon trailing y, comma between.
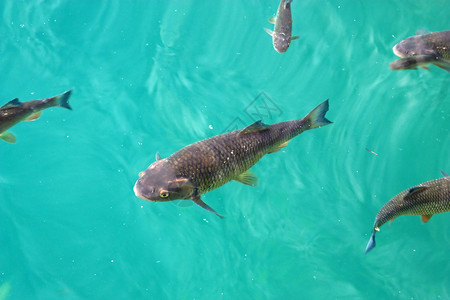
x: 426, y: 199
x: 15, y: 111
x: 282, y: 32
x: 208, y: 164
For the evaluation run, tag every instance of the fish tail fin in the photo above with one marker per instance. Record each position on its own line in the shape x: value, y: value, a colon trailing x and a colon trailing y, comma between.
x: 316, y: 118
x: 371, y: 244
x: 63, y: 100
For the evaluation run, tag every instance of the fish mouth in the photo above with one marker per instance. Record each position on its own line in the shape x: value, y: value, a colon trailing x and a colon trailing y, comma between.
x: 138, y: 193
x: 397, y: 51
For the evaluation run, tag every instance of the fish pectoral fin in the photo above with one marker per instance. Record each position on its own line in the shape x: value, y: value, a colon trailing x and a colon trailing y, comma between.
x: 295, y: 37
x: 272, y: 20
x: 202, y: 204
x: 443, y: 64
x: 422, y: 31
x: 278, y: 148
x: 426, y: 218
x: 13, y: 103
x: 255, y: 127
x: 415, y: 190
x: 270, y: 32
x: 248, y: 178
x: 33, y: 116
x: 8, y: 137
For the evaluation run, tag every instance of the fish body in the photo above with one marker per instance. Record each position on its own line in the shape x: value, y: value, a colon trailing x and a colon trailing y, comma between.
x: 208, y: 164
x: 420, y: 50
x: 426, y: 199
x: 282, y: 33
x: 15, y: 111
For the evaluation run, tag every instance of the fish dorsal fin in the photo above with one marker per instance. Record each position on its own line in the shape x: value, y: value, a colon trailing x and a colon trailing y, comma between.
x: 158, y: 156
x: 14, y: 102
x: 255, y: 127
x: 414, y: 191
x: 248, y: 178
x: 422, y: 31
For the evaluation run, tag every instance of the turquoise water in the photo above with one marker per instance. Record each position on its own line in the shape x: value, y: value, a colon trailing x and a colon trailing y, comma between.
x: 155, y: 76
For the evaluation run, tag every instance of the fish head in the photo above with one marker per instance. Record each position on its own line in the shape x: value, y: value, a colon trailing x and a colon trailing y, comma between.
x: 409, y: 47
x: 281, y: 42
x: 160, y: 183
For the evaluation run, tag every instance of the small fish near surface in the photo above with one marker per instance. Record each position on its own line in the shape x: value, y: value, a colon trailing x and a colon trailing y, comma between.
x: 15, y: 111
x: 282, y: 32
x: 208, y: 164
x: 423, y: 49
x: 426, y: 199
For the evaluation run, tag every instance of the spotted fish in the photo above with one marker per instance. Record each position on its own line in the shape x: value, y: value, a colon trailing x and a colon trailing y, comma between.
x: 282, y: 32
x: 208, y: 164
x: 423, y: 49
x: 425, y: 199
x: 15, y: 111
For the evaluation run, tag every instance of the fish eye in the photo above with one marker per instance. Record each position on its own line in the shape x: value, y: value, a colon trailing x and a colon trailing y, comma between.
x: 164, y: 194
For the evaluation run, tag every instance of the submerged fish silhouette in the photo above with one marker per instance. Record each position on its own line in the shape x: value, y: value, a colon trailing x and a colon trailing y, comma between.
x: 422, y: 49
x: 208, y: 164
x: 282, y: 32
x: 15, y: 111
x: 425, y: 199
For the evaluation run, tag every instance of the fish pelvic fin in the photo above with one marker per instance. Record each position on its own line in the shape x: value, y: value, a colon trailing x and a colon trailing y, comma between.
x: 197, y: 200
x: 272, y: 20
x: 295, y: 37
x: 63, y: 100
x: 8, y: 137
x: 371, y: 244
x: 443, y: 64
x: 248, y: 178
x: 316, y: 118
x: 33, y: 117
x: 279, y: 147
x: 426, y: 218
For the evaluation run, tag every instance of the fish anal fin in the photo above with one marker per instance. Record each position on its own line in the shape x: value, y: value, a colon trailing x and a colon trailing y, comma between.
x: 415, y: 190
x: 197, y: 200
x: 279, y: 147
x: 426, y: 218
x: 248, y: 178
x: 8, y: 137
x: 33, y: 116
x: 255, y: 127
x: 390, y: 222
x: 13, y: 103
x: 270, y: 32
x: 272, y: 20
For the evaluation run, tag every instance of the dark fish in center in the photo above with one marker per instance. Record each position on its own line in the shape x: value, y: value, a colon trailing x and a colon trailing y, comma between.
x: 208, y: 164
x: 282, y: 32
x: 15, y: 111
x: 423, y: 49
x: 426, y: 199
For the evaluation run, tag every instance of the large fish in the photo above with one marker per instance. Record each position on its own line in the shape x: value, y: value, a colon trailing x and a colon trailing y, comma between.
x: 208, y: 164
x: 15, y: 111
x: 282, y: 32
x: 422, y: 49
x: 426, y: 199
